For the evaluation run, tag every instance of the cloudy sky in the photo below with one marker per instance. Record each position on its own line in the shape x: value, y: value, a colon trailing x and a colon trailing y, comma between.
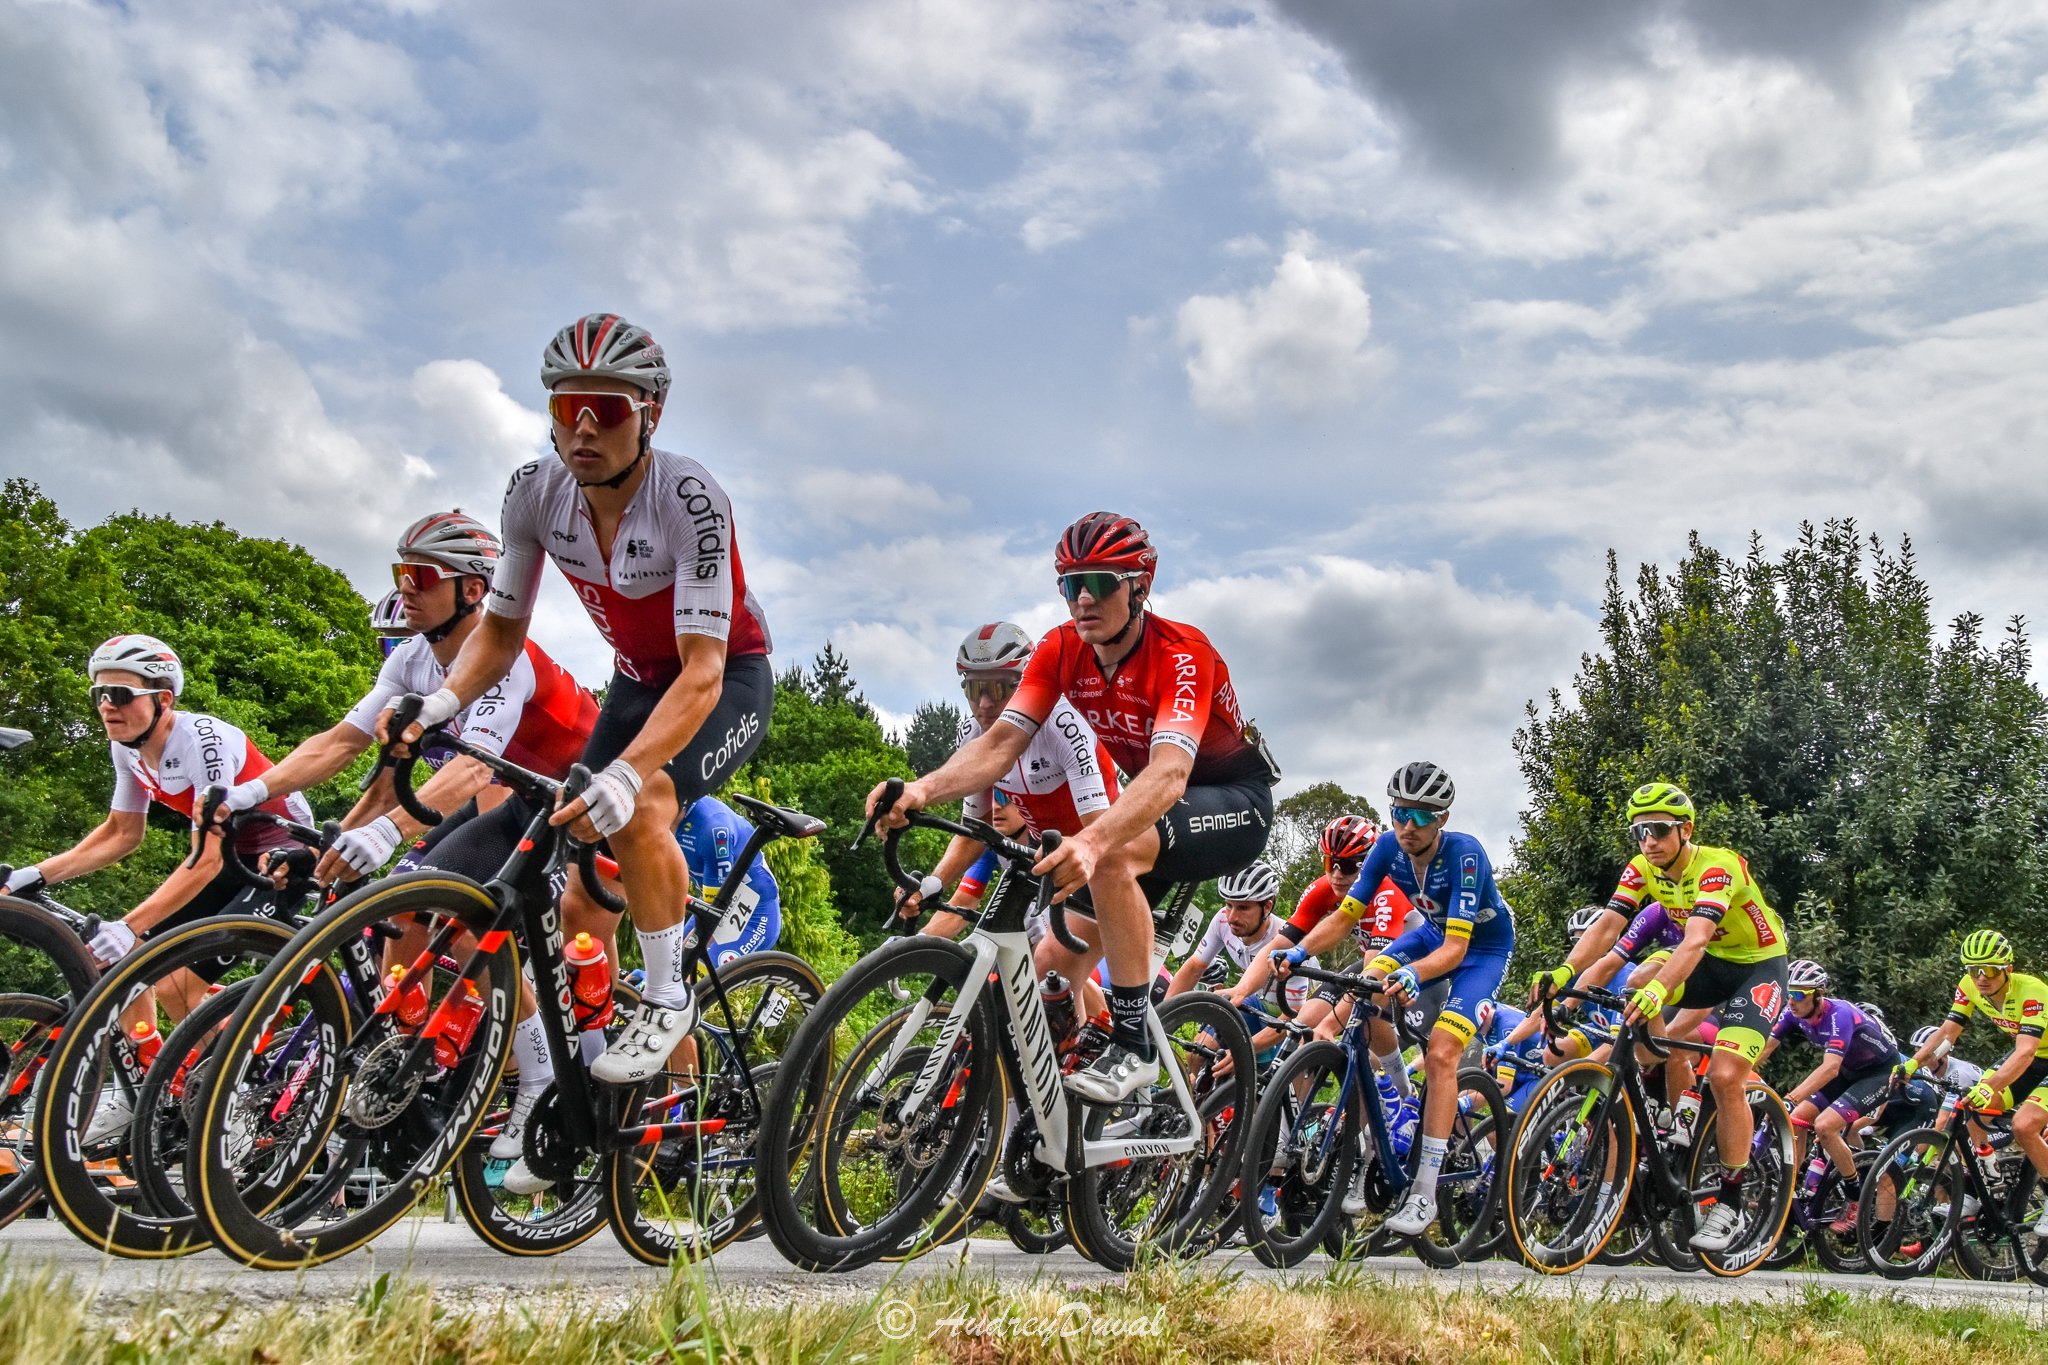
x: 1389, y: 319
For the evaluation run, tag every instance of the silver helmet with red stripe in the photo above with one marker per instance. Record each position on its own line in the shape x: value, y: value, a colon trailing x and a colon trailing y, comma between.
x: 455, y: 540
x: 998, y: 649
x: 606, y: 346
x: 145, y: 656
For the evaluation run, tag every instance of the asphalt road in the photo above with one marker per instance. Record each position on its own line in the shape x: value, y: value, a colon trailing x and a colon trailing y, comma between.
x: 465, y: 1271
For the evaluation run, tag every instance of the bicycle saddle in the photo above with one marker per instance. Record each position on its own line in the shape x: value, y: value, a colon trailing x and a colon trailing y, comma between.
x: 791, y: 824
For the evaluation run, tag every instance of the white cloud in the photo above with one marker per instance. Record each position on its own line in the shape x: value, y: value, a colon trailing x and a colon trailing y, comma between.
x: 1295, y: 344
x: 871, y: 498
x: 1526, y: 319
x: 465, y: 407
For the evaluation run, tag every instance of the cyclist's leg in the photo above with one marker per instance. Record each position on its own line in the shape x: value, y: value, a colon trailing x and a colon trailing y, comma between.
x: 1472, y: 981
x: 2028, y: 1124
x: 1749, y: 1003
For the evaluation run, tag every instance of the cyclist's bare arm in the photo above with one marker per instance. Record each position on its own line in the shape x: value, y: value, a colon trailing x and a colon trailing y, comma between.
x: 487, y: 656
x: 1699, y: 932
x: 1596, y: 941
x: 972, y: 767
x: 181, y: 886
x: 1184, y: 979
x: 1830, y: 1066
x: 113, y: 839
x: 1150, y: 795
x: 318, y: 759
x: 1602, y: 971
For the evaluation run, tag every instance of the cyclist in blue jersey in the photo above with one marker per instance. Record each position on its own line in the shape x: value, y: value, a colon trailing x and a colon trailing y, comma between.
x: 1467, y: 936
x: 1517, y: 1061
x: 712, y: 835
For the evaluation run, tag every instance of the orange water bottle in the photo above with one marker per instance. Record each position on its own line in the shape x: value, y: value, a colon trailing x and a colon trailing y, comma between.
x: 590, y: 986
x: 465, y: 1010
x: 412, y: 1002
x: 148, y: 1042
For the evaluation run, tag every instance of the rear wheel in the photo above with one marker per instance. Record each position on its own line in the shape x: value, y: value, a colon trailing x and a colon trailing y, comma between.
x: 689, y: 1193
x: 1299, y: 1157
x: 1903, y: 1219
x: 1767, y: 1188
x: 41, y: 960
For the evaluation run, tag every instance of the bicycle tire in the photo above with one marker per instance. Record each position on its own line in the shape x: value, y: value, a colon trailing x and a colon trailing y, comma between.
x: 1468, y: 1210
x: 802, y: 1114
x: 161, y: 1130
x: 1037, y: 1227
x: 66, y: 973
x: 1186, y: 1188
x: 2028, y: 1200
x: 422, y: 1130
x: 1552, y: 1141
x: 1629, y: 1244
x: 1839, y: 1253
x: 30, y: 1024
x: 80, y: 1067
x: 1912, y: 1230
x: 1308, y: 1199
x: 765, y: 987
x: 1770, y: 1168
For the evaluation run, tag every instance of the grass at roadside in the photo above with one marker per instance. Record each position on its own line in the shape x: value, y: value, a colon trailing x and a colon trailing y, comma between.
x: 1158, y: 1316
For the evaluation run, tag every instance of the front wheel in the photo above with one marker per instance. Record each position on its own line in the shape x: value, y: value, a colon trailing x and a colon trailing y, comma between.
x: 1163, y: 1203
x: 1299, y: 1155
x: 1570, y: 1167
x: 1468, y: 1187
x: 1903, y: 1220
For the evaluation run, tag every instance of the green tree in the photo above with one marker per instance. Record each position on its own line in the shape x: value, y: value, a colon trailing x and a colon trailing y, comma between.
x: 1295, y: 845
x: 1885, y: 781
x: 928, y: 739
x: 272, y: 640
x: 830, y: 682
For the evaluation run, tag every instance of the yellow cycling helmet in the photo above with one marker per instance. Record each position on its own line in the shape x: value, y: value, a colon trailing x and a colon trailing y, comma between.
x: 1987, y: 948
x: 1659, y: 798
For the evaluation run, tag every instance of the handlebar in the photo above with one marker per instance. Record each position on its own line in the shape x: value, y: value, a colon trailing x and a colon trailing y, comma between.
x: 587, y: 854
x: 1020, y: 856
x: 231, y: 856
x: 1350, y: 982
x: 86, y: 927
x: 404, y: 712
x: 1659, y: 1047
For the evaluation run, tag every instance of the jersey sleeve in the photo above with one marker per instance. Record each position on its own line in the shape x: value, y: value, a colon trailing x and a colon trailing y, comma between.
x: 1782, y: 1026
x: 1081, y: 757
x: 1718, y: 887
x: 1628, y: 892
x: 1316, y: 902
x: 492, y: 719
x: 1189, y: 684
x: 2033, y: 1016
x: 1639, y: 931
x: 1211, y: 945
x: 1841, y: 1028
x: 1358, y: 900
x: 388, y: 688
x: 1042, y: 685
x: 700, y: 523
x: 515, y: 584
x: 129, y: 797
x: 1960, y: 1008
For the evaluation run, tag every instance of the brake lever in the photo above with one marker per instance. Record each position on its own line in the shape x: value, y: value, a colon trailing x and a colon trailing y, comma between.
x: 209, y: 806
x: 892, y: 792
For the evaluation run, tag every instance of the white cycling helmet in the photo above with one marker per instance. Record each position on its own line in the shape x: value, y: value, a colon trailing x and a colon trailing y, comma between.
x: 1259, y: 882
x: 1584, y: 918
x: 454, y: 540
x: 387, y: 618
x: 143, y: 655
x: 1922, y: 1034
x: 1422, y: 785
x: 1806, y: 975
x: 998, y: 649
x: 605, y: 346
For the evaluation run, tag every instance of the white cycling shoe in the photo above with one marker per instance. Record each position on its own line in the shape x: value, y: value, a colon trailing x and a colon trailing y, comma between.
x: 642, y: 1048
x: 110, y: 1117
x: 1718, y: 1228
x: 511, y: 1138
x: 1114, y: 1076
x: 1414, y: 1216
x: 520, y: 1179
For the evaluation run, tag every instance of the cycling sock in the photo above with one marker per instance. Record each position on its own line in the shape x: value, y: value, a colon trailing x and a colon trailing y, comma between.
x: 1431, y: 1165
x: 1127, y: 1007
x: 1394, y: 1069
x: 663, y: 950
x: 530, y: 1050
x: 1731, y: 1183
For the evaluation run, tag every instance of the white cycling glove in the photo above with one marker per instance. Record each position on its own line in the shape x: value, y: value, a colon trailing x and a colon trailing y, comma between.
x: 114, y: 941
x: 24, y: 879
x: 368, y: 847
x: 247, y: 795
x: 437, y: 709
x: 608, y: 800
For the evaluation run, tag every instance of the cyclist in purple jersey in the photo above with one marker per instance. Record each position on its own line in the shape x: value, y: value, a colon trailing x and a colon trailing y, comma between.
x: 1857, y: 1057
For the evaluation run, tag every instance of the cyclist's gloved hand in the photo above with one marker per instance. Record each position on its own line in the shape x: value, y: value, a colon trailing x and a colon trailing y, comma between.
x: 1287, y: 959
x: 1649, y: 1001
x: 247, y: 795
x: 368, y: 847
x: 1403, y: 983
x: 438, y: 709
x: 1905, y: 1071
x: 24, y: 879
x: 609, y: 798
x: 1981, y: 1096
x: 114, y: 941
x: 1543, y: 984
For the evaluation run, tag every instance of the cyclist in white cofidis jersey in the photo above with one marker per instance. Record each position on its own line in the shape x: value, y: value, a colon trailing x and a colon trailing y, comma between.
x: 647, y: 540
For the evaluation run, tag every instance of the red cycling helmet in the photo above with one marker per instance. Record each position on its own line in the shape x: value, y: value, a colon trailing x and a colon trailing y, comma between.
x: 1348, y: 836
x: 1104, y: 540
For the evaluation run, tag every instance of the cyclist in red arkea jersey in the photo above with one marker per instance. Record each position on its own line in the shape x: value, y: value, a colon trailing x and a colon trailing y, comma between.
x: 537, y: 716
x: 647, y: 540
x: 1200, y: 800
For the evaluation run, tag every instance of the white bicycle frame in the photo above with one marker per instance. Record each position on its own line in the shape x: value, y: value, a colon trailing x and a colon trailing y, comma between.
x: 1006, y: 953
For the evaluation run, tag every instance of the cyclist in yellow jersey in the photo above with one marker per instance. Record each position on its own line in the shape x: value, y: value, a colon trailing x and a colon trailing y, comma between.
x: 2017, y: 1004
x: 1731, y: 964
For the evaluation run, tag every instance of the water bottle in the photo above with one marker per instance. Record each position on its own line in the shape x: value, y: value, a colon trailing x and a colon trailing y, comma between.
x: 412, y: 1002
x: 148, y: 1042
x: 1683, y: 1115
x: 1056, y: 993
x: 465, y: 1010
x: 590, y: 987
